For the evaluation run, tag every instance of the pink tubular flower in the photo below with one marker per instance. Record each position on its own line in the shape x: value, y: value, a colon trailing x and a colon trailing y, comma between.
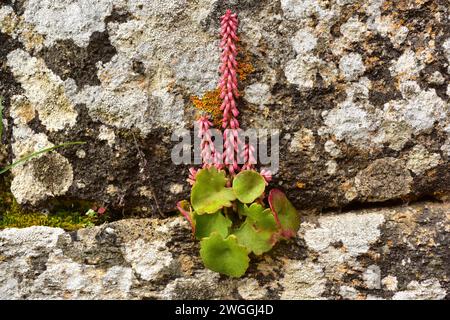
x: 248, y: 155
x: 206, y: 144
x: 267, y: 175
x: 230, y: 146
x: 210, y: 156
x: 229, y: 90
x: 192, y: 176
x: 228, y: 81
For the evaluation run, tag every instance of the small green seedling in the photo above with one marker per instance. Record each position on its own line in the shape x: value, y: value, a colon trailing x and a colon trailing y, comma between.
x: 35, y: 154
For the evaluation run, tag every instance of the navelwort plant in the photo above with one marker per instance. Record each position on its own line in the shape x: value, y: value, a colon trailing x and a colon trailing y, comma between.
x: 227, y: 209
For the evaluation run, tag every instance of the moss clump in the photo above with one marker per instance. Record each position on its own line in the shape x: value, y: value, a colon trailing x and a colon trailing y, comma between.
x: 12, y: 215
x: 66, y: 220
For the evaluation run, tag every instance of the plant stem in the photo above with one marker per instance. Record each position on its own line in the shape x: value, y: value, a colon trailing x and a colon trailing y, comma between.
x: 34, y: 154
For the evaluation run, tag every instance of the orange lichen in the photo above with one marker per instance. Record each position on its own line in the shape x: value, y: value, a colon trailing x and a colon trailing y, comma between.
x: 300, y: 185
x: 244, y: 65
x: 210, y: 103
x: 245, y: 68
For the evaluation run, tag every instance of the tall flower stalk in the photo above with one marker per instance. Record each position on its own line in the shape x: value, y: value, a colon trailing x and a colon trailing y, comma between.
x: 227, y: 210
x: 228, y: 81
x: 229, y: 93
x: 229, y: 90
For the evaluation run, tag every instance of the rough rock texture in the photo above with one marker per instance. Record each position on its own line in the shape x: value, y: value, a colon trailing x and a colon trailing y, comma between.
x: 397, y: 253
x: 359, y: 89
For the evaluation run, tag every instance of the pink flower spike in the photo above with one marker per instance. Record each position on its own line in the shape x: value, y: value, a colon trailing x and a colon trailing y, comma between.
x: 228, y: 81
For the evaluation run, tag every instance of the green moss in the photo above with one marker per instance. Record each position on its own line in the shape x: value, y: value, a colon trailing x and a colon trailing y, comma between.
x: 66, y: 220
x: 65, y: 214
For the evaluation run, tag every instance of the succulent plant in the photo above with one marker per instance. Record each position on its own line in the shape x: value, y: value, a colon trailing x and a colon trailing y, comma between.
x: 227, y: 210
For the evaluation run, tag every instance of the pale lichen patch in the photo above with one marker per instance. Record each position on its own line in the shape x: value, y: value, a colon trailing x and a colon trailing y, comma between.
x: 67, y: 19
x: 303, y: 70
x: 351, y: 122
x: 420, y: 160
x: 351, y: 66
x: 303, y: 141
x: 390, y: 283
x: 44, y: 90
x: 407, y: 66
x: 22, y: 111
x: 150, y: 261
x: 302, y: 280
x: 250, y: 289
x: 16, y: 27
x: 426, y: 290
x: 258, y: 93
x: 107, y: 134
x: 356, y: 232
x: 304, y: 41
x: 47, y: 176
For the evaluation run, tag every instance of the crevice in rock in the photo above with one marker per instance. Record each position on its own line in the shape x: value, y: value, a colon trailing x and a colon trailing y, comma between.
x: 8, y: 87
x: 118, y: 16
x: 357, y: 206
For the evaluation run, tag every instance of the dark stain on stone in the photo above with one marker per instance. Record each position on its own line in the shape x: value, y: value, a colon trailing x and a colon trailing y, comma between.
x: 337, y: 244
x: 38, y: 264
x: 335, y: 30
x: 68, y: 60
x: 433, y: 183
x: 138, y: 67
x: 212, y: 21
x: 8, y: 87
x: 133, y: 164
x: 331, y: 290
x: 383, y: 87
x: 106, y: 253
x: 118, y: 16
x: 36, y: 124
x: 295, y: 249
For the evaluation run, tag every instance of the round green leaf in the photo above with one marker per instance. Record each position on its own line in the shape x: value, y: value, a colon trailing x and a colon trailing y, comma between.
x: 224, y: 255
x: 209, y: 223
x: 259, y: 231
x: 255, y: 240
x: 261, y: 217
x: 209, y: 193
x: 248, y: 185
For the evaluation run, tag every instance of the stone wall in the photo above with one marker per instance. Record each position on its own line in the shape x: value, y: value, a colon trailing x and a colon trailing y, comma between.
x: 359, y: 89
x: 395, y: 253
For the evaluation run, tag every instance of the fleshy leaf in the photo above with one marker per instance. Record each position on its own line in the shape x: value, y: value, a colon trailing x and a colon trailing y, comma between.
x: 185, y: 209
x: 209, y: 193
x: 248, y: 185
x: 263, y: 218
x: 285, y: 213
x: 209, y: 223
x: 258, y: 232
x: 224, y: 255
x: 256, y: 241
